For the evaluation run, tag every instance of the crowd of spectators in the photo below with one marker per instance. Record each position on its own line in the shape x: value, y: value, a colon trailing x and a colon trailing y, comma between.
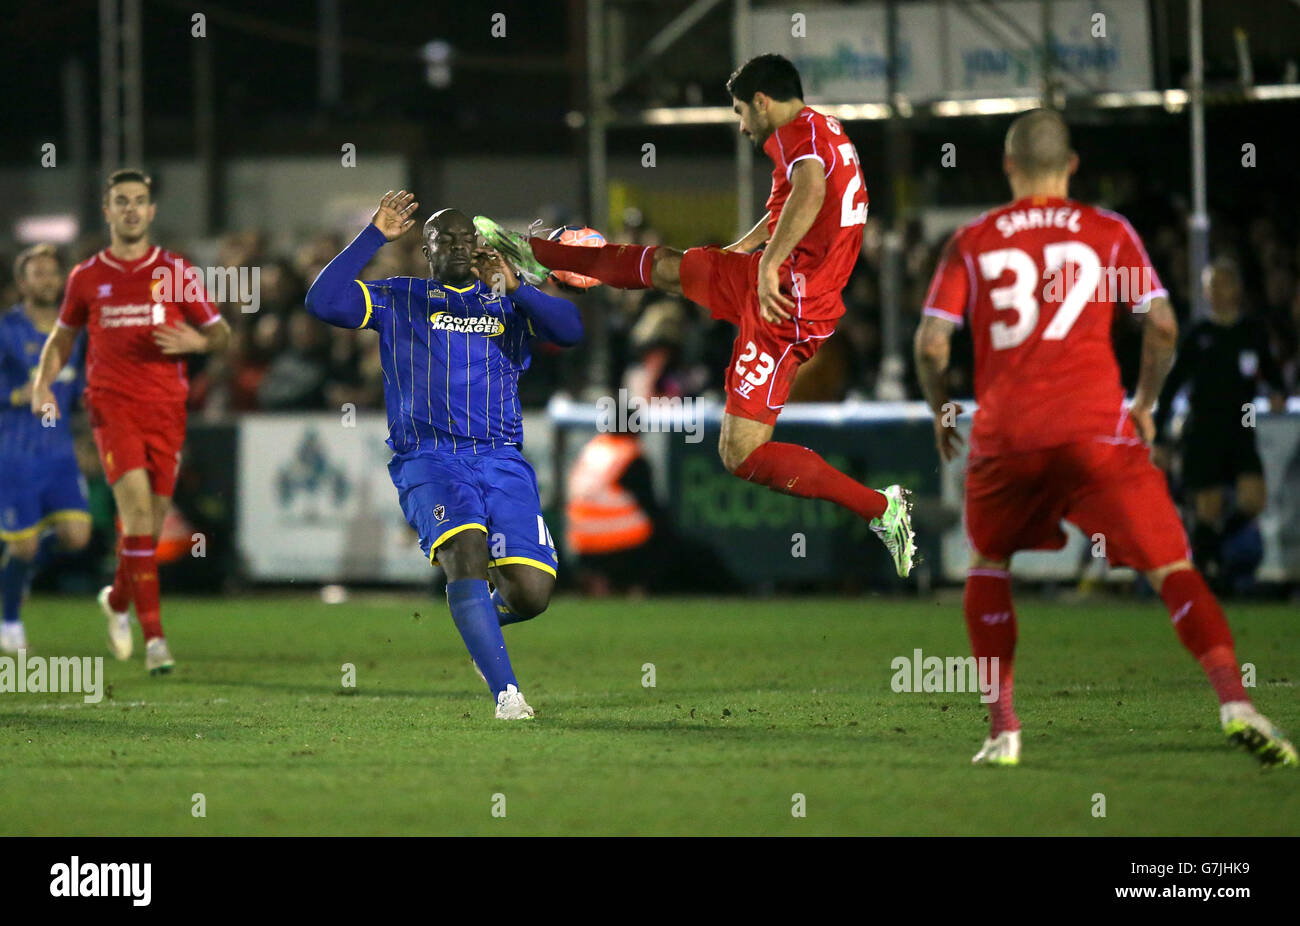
x: 281, y: 359
x: 686, y: 352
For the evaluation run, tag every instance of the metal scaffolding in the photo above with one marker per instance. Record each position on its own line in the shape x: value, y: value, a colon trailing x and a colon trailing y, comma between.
x: 605, y: 78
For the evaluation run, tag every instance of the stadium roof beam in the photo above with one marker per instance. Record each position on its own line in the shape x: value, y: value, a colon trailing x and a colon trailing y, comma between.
x: 664, y: 39
x: 1171, y: 100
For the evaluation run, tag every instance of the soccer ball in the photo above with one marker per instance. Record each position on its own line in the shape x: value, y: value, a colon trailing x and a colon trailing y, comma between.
x: 581, y: 236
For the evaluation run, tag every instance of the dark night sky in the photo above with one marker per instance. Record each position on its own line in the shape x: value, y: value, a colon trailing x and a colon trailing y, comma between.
x: 265, y: 66
x: 266, y: 75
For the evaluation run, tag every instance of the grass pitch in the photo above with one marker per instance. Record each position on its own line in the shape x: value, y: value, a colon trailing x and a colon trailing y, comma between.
x: 754, y: 702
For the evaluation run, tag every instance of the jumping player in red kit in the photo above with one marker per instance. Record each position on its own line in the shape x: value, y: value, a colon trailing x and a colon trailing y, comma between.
x: 1053, y: 439
x: 144, y: 309
x: 784, y: 298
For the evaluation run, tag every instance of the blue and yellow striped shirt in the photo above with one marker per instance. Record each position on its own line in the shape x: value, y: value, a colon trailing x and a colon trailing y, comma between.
x: 451, y: 355
x: 21, y: 432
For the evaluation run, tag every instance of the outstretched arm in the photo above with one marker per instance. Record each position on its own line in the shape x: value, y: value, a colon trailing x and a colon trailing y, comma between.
x: 550, y: 318
x: 337, y: 297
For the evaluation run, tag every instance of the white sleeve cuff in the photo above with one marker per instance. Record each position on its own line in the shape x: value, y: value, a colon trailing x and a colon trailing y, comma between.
x: 946, y: 316
x: 803, y: 157
x: 1141, y: 304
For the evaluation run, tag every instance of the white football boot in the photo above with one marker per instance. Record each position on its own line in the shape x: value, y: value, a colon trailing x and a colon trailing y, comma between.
x: 512, y: 706
x: 1003, y: 749
x: 1251, y: 730
x: 12, y: 637
x: 119, y: 626
x: 157, y: 657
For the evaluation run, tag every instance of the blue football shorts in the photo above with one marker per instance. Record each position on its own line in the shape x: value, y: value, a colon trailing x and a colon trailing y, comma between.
x: 494, y: 491
x: 36, y: 493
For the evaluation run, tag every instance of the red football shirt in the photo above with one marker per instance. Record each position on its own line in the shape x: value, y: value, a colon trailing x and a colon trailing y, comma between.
x: 121, y: 303
x: 820, y: 264
x: 1038, y: 281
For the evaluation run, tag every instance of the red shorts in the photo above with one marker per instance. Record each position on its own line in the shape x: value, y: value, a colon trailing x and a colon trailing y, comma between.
x: 765, y: 357
x: 138, y: 435
x: 1017, y: 502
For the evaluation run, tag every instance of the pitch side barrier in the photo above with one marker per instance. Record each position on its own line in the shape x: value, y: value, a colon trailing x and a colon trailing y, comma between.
x: 768, y: 540
x: 300, y: 497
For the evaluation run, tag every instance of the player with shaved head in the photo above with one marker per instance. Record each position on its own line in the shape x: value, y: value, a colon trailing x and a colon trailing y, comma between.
x: 1053, y: 439
x: 1038, y: 145
x: 453, y: 347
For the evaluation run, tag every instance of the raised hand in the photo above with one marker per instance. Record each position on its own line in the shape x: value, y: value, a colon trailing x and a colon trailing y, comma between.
x: 1144, y: 423
x: 396, y: 214
x: 490, y: 267
x: 947, y: 439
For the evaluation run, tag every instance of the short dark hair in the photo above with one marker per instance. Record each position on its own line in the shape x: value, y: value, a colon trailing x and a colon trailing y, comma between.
x: 770, y: 74
x: 128, y: 175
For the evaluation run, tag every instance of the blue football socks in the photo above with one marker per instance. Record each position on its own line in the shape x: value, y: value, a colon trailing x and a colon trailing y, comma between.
x: 476, y: 619
x: 13, y: 584
x: 504, y: 614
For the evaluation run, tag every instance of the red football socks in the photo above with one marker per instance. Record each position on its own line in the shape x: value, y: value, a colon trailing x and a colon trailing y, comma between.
x: 119, y: 599
x: 1200, y: 624
x: 794, y: 470
x: 991, y: 625
x: 624, y: 266
x: 141, y: 568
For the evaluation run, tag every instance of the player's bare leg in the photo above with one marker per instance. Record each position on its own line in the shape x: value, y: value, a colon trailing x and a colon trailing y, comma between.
x: 991, y: 626
x: 464, y: 558
x: 1199, y: 622
x: 522, y: 592
x: 160, y: 505
x: 666, y: 270
x: 73, y: 534
x: 748, y: 451
x: 740, y: 437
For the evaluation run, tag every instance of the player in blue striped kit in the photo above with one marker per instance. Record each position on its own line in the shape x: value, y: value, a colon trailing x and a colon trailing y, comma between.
x: 41, y: 486
x: 453, y: 347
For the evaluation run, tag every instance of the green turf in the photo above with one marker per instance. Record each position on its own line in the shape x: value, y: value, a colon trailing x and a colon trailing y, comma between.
x: 755, y: 701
